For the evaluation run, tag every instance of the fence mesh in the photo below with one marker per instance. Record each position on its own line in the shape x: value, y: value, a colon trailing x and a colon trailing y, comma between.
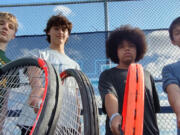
x: 91, y: 22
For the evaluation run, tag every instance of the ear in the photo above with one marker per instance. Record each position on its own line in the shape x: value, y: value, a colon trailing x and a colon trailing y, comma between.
x: 48, y: 33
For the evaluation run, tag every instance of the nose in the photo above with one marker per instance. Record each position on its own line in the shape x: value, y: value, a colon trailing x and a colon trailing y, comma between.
x: 127, y: 47
x: 5, y: 26
x: 60, y: 31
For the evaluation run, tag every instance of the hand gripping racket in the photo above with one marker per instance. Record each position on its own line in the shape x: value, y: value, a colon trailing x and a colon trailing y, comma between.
x: 133, y: 104
x: 29, y: 97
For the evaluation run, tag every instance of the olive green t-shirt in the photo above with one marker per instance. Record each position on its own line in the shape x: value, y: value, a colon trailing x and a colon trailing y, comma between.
x: 3, y: 59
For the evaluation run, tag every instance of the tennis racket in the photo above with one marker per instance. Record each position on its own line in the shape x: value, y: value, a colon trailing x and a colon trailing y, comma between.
x: 133, y: 104
x: 78, y: 115
x: 29, y: 97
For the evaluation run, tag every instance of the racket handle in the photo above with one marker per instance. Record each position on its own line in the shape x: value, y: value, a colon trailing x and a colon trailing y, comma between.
x: 121, y: 131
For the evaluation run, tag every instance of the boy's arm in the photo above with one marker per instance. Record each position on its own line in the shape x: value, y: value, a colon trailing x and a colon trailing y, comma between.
x: 110, y: 102
x: 170, y: 86
x: 111, y: 105
x: 173, y: 92
x: 34, y: 75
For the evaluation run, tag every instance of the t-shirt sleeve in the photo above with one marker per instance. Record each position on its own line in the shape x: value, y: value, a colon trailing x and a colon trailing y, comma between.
x: 78, y: 67
x: 155, y: 96
x: 168, y: 77
x: 105, y: 86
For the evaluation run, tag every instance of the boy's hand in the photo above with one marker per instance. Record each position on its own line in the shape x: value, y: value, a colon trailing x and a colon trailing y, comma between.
x: 115, y: 125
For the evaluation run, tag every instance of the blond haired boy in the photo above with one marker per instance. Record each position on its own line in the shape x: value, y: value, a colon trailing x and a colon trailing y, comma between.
x: 8, y: 29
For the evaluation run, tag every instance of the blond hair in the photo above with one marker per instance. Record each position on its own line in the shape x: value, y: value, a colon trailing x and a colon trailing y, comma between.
x: 10, y: 17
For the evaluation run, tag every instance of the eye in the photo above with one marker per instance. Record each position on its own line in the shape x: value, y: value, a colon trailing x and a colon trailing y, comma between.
x: 120, y: 46
x: 11, y: 26
x: 56, y: 28
x: 177, y: 33
x: 131, y: 45
x: 64, y: 29
x: 1, y: 22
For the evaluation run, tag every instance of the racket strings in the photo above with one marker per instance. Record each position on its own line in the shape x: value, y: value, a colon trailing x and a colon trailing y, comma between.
x: 16, y: 87
x: 70, y: 120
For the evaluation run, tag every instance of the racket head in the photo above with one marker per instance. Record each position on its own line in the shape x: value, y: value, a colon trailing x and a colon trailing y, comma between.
x: 140, y: 101
x: 18, y: 92
x: 78, y: 115
x: 129, y: 128
x: 133, y: 104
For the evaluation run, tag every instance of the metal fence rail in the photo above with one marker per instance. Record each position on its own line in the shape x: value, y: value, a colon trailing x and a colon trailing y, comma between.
x: 92, y: 22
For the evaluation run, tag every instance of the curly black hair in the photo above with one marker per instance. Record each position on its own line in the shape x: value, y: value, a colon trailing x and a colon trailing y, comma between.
x: 128, y: 33
x: 57, y: 20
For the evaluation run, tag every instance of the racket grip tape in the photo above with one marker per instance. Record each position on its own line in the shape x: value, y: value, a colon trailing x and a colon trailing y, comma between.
x: 121, y: 131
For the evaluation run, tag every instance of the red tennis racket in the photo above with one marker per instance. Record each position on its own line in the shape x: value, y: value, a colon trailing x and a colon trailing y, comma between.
x: 29, y: 98
x: 133, y: 104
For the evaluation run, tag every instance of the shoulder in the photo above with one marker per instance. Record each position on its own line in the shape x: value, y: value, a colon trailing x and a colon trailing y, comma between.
x: 171, y: 71
x: 71, y: 60
x: 171, y: 67
x: 106, y: 73
x: 77, y: 66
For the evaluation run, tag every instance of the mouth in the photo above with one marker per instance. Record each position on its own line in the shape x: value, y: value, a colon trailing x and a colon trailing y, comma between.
x: 127, y: 54
x: 60, y: 37
x: 3, y: 33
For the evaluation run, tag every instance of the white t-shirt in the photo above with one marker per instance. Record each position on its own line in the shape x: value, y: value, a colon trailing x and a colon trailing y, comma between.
x: 58, y: 60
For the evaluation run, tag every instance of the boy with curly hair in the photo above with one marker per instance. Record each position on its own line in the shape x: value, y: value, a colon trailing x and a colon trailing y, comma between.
x: 124, y: 46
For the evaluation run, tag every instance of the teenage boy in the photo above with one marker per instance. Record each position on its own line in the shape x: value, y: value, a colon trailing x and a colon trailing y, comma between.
x: 57, y: 30
x: 8, y: 29
x: 171, y: 73
x: 124, y: 46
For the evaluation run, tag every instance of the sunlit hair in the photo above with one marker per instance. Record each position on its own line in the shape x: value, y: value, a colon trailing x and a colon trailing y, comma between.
x: 9, y: 17
x: 125, y: 33
x: 173, y: 25
x: 60, y: 21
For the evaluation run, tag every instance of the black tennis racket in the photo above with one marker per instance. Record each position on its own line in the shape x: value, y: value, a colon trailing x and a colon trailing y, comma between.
x: 78, y: 114
x: 29, y: 97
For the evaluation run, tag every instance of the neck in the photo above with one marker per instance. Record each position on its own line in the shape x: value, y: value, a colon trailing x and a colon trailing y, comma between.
x: 59, y: 48
x: 3, y: 46
x: 122, y: 66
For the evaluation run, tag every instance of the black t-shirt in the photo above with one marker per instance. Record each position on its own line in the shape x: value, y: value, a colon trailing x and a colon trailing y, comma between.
x: 113, y: 81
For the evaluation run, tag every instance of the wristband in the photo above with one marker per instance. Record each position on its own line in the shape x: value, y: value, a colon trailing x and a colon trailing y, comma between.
x: 112, y: 117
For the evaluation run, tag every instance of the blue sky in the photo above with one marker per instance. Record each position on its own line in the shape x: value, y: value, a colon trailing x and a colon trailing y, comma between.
x: 146, y: 14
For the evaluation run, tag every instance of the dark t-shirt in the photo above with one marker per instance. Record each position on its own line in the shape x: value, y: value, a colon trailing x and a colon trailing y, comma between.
x: 113, y: 81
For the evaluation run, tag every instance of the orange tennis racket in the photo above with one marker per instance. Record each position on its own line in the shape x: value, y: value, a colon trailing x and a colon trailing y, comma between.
x: 133, y: 104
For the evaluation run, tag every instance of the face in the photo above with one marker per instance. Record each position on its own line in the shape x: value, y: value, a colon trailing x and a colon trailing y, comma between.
x: 58, y: 35
x: 126, y: 53
x: 176, y: 36
x: 7, y: 30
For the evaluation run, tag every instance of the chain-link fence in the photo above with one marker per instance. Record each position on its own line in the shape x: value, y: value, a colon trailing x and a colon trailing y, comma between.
x: 91, y: 22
